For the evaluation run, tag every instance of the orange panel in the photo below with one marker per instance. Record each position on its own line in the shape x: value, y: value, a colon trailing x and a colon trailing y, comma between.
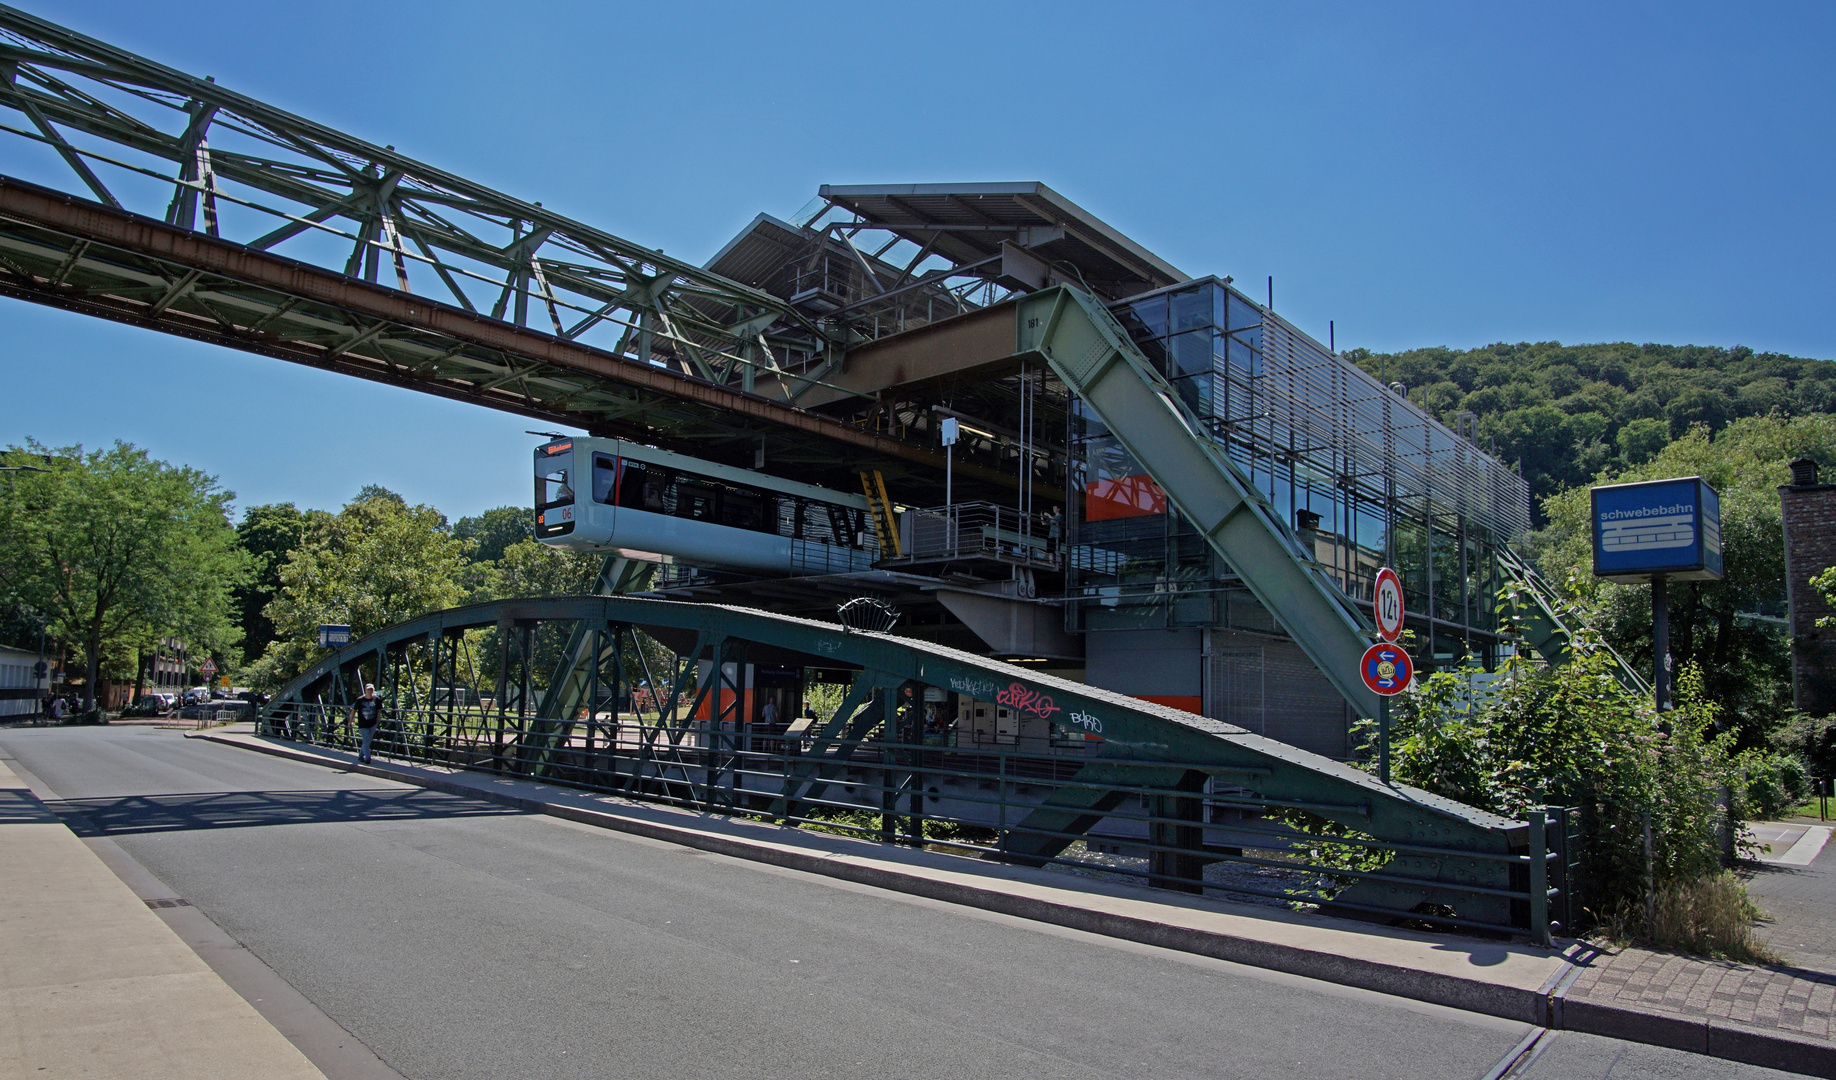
x: 1177, y: 701
x: 1124, y: 497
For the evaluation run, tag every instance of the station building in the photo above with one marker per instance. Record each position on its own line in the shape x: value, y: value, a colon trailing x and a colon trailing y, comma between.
x: 1045, y: 541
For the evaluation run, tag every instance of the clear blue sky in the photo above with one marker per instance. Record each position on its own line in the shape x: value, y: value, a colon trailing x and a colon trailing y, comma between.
x: 1450, y: 174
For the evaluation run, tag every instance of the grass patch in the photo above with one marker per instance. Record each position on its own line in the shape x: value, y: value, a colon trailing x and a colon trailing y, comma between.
x: 1708, y: 916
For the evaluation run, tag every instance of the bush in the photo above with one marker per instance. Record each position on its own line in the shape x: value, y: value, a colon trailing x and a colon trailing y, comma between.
x: 1573, y: 736
x: 1770, y: 783
x: 1811, y: 740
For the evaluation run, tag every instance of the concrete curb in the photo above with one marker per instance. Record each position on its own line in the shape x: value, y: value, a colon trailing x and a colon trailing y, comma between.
x: 1547, y: 1006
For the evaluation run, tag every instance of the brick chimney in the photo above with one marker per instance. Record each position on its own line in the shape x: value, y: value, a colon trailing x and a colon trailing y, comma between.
x: 1809, y: 510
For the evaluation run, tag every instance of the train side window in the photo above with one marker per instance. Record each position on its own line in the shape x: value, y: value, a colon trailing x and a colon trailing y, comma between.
x: 742, y: 510
x: 840, y: 526
x: 697, y: 501
x: 605, y: 477
x: 634, y: 487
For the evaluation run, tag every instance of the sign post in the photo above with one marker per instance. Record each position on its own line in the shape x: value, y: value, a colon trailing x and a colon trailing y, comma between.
x: 948, y: 430
x: 1654, y: 533
x: 1385, y: 667
x: 1387, y: 670
x: 333, y: 636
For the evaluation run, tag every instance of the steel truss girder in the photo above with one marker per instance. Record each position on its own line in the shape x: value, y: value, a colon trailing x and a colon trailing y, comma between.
x: 78, y: 255
x: 113, y: 116
x: 1144, y: 743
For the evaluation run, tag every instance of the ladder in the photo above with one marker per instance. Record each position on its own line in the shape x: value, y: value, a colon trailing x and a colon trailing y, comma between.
x: 885, y: 525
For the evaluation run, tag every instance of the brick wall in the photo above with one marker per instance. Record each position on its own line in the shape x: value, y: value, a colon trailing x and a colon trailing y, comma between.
x: 1810, y: 547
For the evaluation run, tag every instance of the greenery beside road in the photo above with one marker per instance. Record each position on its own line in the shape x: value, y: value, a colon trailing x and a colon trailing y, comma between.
x: 115, y: 551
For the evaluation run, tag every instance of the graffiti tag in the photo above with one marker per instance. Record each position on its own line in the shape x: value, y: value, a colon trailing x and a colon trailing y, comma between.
x: 1019, y: 697
x: 1087, y: 722
x: 979, y: 689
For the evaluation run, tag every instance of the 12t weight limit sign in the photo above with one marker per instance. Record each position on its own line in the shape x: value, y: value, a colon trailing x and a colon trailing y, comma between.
x: 1386, y: 604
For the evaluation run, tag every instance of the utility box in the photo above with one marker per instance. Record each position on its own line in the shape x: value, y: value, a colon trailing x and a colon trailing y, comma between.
x: 1660, y: 528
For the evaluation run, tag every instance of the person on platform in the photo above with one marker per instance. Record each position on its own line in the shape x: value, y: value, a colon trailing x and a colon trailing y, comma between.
x: 1055, y: 528
x: 367, y: 710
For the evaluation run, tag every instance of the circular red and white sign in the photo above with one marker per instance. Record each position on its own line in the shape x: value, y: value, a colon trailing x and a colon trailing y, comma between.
x: 1386, y: 669
x: 1386, y: 604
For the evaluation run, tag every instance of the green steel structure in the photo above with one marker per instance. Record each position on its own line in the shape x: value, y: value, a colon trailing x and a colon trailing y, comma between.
x: 663, y: 717
x: 1166, y: 504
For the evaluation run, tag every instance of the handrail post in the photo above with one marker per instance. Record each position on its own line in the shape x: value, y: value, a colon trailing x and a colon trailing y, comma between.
x: 1539, y: 878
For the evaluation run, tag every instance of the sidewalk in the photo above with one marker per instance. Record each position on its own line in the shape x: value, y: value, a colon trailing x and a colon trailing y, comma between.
x: 94, y: 984
x: 1777, y: 1017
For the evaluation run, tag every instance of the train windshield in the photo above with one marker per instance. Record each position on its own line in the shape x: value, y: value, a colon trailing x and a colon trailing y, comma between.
x: 554, y: 487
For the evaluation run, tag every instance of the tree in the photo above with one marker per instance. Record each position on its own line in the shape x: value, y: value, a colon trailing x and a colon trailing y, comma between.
x: 495, y: 530
x: 1626, y: 401
x: 269, y: 534
x: 528, y: 568
x: 117, y: 550
x: 1744, y: 661
x: 376, y: 562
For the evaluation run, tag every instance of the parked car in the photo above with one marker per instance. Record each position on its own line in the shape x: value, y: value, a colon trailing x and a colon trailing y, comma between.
x: 148, y: 705
x: 197, y: 695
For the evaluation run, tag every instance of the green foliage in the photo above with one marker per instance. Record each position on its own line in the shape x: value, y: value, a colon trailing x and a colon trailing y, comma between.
x: 1769, y: 783
x: 1811, y: 740
x: 117, y: 550
x: 1744, y: 661
x: 1569, y: 411
x: 1573, y: 736
x: 269, y: 534
x: 494, y: 531
x: 376, y: 562
x: 1825, y: 584
x: 529, y: 568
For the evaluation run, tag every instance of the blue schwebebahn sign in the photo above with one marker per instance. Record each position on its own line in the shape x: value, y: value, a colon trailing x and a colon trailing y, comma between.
x: 1668, y: 528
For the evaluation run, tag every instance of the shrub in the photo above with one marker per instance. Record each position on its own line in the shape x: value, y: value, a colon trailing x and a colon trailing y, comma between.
x: 1770, y: 783
x: 1573, y: 736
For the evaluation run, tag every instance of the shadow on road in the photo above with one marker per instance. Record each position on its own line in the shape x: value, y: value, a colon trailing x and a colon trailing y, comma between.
x: 126, y: 814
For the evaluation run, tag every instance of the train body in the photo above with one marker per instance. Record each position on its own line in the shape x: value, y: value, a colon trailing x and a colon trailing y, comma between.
x: 616, y: 496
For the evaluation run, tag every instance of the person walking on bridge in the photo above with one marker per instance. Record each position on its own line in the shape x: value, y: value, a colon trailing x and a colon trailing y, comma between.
x: 367, y: 710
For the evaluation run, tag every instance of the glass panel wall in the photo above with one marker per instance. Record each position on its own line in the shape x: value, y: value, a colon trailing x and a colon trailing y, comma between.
x: 1365, y: 479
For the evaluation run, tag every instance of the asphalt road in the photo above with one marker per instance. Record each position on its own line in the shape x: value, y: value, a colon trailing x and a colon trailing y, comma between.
x: 458, y: 939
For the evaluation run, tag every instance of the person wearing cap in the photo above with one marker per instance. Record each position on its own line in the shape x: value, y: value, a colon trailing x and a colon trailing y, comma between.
x: 367, y: 710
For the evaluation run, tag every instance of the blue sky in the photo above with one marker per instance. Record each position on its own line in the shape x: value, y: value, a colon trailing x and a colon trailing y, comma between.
x: 1420, y: 174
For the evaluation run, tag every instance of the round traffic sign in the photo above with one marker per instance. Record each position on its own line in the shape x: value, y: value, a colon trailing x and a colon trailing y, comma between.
x: 1386, y: 669
x: 1386, y: 604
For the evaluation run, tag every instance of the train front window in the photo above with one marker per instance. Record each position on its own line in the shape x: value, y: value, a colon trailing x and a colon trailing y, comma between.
x: 553, y: 486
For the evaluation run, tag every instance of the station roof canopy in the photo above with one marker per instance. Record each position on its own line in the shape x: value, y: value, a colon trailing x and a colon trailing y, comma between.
x: 968, y: 222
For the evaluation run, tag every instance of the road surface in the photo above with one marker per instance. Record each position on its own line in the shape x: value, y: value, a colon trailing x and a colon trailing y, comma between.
x: 458, y: 939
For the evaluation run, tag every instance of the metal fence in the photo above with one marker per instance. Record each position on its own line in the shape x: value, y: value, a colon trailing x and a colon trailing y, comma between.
x: 979, y: 529
x: 960, y: 796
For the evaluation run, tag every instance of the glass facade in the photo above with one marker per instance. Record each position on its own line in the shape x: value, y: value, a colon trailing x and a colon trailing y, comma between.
x: 1365, y: 478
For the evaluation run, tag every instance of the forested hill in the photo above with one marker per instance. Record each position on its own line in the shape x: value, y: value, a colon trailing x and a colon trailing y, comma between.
x: 1569, y: 411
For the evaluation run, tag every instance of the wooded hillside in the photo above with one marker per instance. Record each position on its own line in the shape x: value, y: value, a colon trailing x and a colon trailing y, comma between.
x: 1569, y: 411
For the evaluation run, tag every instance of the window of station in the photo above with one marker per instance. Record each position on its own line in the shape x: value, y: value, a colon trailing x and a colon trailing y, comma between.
x: 1364, y: 477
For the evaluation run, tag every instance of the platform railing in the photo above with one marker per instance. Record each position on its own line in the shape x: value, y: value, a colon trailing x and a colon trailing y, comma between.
x: 975, y: 800
x: 980, y: 529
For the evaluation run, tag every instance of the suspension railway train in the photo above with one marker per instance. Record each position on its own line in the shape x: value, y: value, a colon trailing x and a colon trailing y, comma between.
x: 611, y: 495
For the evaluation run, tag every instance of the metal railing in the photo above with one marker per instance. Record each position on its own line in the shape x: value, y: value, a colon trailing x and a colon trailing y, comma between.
x: 964, y: 796
x: 980, y: 529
